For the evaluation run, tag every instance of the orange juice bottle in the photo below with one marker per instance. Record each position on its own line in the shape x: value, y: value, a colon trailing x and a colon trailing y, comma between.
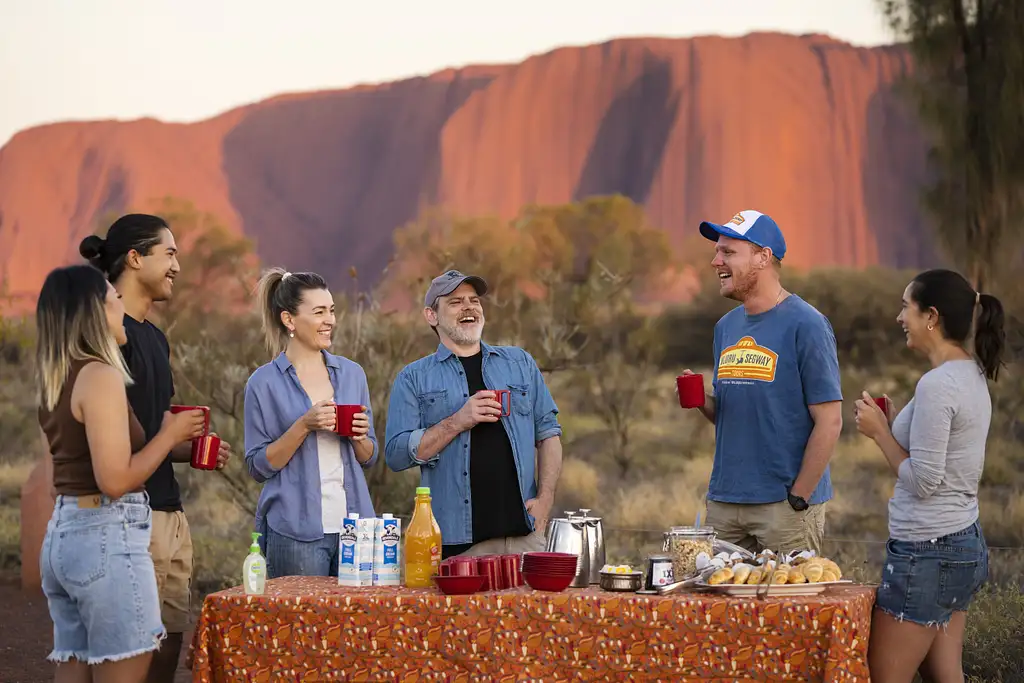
x: 422, y: 553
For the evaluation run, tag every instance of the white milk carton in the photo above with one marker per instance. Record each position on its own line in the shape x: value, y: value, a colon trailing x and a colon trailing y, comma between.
x: 364, y: 549
x: 387, y: 565
x: 348, y: 544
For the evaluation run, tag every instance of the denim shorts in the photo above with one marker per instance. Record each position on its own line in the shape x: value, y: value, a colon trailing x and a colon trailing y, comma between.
x: 98, y: 579
x: 926, y: 581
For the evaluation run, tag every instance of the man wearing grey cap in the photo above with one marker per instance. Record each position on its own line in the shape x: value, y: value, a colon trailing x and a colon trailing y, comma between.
x: 480, y: 423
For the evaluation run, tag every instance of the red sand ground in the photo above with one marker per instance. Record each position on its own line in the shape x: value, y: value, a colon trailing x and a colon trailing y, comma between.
x: 26, y: 637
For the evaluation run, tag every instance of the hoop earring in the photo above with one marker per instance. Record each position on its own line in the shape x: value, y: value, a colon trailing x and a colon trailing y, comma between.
x: 931, y: 327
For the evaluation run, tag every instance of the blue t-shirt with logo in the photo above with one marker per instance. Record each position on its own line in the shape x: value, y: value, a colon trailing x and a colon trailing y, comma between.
x: 769, y: 368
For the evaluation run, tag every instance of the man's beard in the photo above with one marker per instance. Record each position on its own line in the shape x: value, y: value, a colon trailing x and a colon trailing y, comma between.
x: 742, y: 287
x: 462, y: 337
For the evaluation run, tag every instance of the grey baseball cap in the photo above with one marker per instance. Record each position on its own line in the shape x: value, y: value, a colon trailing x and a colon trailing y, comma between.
x: 446, y: 283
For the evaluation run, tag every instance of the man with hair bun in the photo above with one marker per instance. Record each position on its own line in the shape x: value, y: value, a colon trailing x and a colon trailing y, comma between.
x: 140, y: 258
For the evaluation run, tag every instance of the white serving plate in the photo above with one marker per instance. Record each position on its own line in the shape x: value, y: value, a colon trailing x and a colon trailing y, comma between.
x: 768, y: 590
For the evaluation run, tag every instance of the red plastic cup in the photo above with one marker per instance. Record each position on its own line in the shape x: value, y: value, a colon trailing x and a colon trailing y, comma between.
x: 510, y: 573
x: 462, y: 566
x: 691, y: 391
x: 344, y: 415
x: 490, y: 566
x: 204, y: 452
x: 445, y: 568
x: 882, y: 404
x: 504, y: 397
x: 206, y: 414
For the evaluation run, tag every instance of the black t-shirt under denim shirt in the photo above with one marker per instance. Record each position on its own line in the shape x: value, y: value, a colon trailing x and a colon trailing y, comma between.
x: 148, y: 356
x: 493, y: 479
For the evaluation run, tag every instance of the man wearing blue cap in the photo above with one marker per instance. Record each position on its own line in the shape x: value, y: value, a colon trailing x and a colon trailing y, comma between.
x: 776, y: 401
x: 492, y: 465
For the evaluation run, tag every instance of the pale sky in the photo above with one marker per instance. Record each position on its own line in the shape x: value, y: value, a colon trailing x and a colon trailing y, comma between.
x: 186, y: 60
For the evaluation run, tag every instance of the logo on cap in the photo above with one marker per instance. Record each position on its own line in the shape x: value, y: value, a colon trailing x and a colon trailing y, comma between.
x: 738, y: 219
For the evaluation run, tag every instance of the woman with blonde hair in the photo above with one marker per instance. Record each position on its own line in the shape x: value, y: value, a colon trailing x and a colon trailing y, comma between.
x: 97, y: 573
x: 936, y: 556
x: 311, y: 475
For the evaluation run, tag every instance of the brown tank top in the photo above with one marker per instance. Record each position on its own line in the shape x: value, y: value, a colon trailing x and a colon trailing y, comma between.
x: 72, y: 461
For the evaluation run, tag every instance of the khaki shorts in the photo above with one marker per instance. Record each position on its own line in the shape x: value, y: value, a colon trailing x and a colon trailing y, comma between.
x: 171, y: 548
x: 510, y: 545
x: 776, y: 526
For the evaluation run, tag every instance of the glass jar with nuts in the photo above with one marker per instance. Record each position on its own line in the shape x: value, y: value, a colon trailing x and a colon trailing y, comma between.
x: 683, y: 544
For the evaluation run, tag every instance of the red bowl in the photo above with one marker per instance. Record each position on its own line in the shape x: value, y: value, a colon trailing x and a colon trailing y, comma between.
x: 538, y: 567
x: 550, y: 563
x: 546, y: 582
x: 460, y: 585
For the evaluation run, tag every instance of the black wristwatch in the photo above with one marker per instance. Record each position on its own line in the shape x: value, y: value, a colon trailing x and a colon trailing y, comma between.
x: 796, y: 502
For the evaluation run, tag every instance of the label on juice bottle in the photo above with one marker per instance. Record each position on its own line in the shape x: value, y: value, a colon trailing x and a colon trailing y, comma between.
x: 435, y: 557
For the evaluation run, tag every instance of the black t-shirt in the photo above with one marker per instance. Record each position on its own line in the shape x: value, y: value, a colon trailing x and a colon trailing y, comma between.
x: 493, y: 479
x: 148, y: 356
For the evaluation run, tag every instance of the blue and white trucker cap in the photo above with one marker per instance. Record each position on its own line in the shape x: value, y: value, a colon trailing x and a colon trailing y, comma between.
x: 750, y: 226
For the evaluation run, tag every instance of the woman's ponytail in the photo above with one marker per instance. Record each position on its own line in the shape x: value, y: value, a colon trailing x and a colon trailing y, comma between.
x: 270, y: 314
x: 990, y: 335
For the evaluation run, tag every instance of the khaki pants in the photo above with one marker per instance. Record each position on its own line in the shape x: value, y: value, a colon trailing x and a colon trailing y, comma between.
x: 171, y: 548
x: 775, y: 526
x: 510, y: 545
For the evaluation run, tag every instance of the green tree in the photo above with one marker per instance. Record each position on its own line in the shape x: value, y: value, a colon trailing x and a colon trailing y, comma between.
x: 969, y: 90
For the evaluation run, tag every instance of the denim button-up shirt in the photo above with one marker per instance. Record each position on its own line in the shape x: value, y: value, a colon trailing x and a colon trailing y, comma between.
x: 290, y: 501
x: 433, y: 388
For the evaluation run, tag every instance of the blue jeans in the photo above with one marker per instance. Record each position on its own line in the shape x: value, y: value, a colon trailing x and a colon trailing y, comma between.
x: 926, y: 581
x: 288, y: 557
x: 98, y: 578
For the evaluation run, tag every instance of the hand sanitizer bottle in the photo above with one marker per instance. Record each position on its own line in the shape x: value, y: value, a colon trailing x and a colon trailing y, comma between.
x: 254, y: 569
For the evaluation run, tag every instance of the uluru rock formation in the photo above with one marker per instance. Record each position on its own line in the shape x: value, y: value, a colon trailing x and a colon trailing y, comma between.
x: 806, y: 128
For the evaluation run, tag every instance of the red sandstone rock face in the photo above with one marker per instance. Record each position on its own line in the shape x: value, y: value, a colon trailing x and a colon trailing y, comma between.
x: 805, y: 128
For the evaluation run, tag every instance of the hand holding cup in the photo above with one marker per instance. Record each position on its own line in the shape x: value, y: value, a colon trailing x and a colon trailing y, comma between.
x: 360, y: 425
x: 321, y: 417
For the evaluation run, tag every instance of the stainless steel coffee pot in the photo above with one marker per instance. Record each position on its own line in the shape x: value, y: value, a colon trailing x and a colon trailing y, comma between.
x: 582, y: 535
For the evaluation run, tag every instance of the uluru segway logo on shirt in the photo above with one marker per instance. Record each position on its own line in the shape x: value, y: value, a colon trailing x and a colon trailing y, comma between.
x: 745, y: 360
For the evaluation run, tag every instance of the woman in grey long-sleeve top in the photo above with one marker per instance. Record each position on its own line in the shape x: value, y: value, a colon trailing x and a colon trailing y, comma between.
x: 936, y: 557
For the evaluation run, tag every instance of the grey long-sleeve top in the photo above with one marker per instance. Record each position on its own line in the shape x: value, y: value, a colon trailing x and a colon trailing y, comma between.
x: 944, y: 429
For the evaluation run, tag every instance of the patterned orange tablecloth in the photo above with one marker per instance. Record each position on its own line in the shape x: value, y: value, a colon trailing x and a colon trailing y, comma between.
x: 311, y: 629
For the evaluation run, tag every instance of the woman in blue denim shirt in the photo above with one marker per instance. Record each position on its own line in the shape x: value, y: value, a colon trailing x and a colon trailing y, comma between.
x: 97, y: 572
x: 936, y: 557
x: 311, y: 476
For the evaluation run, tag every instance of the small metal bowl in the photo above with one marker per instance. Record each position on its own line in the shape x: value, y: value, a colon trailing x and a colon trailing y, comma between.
x: 626, y: 583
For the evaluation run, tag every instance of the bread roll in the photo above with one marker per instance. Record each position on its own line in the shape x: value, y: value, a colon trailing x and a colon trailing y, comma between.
x: 720, y: 576
x: 779, y: 577
x: 827, y: 576
x: 740, y: 573
x: 812, y: 572
x: 796, y: 576
x: 755, y: 577
x: 785, y: 566
x: 829, y: 565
